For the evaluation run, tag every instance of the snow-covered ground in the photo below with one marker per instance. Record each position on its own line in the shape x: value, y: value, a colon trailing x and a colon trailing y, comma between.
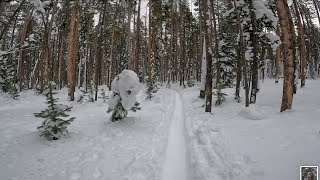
x: 95, y: 149
x: 170, y: 138
x: 268, y: 144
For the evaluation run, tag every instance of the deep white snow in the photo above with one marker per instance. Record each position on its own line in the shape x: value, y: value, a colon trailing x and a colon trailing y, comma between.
x: 170, y: 138
x: 175, y: 166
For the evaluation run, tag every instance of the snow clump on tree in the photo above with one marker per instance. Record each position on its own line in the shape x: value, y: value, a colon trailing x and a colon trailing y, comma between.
x: 125, y: 88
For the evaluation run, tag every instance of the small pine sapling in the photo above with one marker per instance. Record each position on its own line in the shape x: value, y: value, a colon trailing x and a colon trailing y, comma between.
x: 87, y: 95
x: 104, y: 97
x: 220, y: 96
x: 190, y: 82
x: 55, y: 124
x: 151, y: 89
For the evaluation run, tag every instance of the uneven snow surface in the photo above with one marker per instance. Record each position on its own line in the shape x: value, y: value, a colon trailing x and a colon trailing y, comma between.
x: 171, y: 138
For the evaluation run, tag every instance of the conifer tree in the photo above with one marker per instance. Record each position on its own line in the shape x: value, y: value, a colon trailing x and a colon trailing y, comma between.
x: 7, y: 77
x: 125, y: 87
x: 56, y: 120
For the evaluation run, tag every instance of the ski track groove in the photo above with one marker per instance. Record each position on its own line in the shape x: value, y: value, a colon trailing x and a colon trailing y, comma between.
x: 176, y: 164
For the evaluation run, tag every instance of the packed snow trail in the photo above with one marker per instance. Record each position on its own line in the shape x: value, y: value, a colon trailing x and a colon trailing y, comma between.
x: 175, y: 165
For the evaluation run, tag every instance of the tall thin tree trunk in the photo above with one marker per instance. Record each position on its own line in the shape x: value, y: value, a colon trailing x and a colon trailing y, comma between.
x: 200, y: 45
x: 61, y: 59
x: 44, y: 58
x: 288, y: 36
x: 137, y: 48
x: 99, y: 53
x: 130, y: 65
x: 72, y: 50
x: 302, y: 45
x: 255, y: 63
x: 277, y: 59
x: 242, y: 55
x: 150, y: 42
x: 208, y: 40
x: 22, y: 53
x: 112, y: 47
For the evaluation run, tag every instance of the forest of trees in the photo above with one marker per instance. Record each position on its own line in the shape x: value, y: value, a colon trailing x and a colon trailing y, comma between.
x: 222, y: 43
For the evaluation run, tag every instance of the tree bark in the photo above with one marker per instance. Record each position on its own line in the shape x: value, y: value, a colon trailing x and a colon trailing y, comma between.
x: 151, y: 42
x: 288, y: 39
x: 302, y: 45
x: 208, y: 41
x: 22, y: 53
x: 242, y: 56
x: 278, y: 58
x: 255, y: 63
x: 130, y: 65
x: 72, y: 50
x: 99, y: 53
x: 137, y: 48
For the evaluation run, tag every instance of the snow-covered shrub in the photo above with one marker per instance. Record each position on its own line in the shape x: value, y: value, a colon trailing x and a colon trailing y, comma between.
x: 7, y: 77
x: 220, y: 96
x: 87, y: 95
x: 104, y: 97
x: 190, y: 82
x: 151, y: 89
x: 124, y: 87
x: 55, y: 124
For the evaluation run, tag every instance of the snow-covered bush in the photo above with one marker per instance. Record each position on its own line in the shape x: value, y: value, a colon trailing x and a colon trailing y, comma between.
x: 7, y: 77
x: 55, y: 124
x: 104, y: 97
x: 124, y: 87
x: 151, y: 89
x: 87, y: 95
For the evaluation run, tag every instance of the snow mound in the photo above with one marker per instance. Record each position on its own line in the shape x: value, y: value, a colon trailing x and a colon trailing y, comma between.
x: 252, y: 113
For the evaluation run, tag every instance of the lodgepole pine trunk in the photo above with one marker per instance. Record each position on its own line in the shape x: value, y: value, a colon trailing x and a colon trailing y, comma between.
x: 208, y: 41
x: 137, y: 48
x: 288, y: 39
x: 22, y: 53
x: 130, y: 65
x: 72, y: 50
x: 255, y: 63
x: 302, y: 45
x: 277, y: 59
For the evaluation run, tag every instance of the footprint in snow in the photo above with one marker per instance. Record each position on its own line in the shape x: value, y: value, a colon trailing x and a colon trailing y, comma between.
x: 75, y: 175
x: 97, y: 173
x: 76, y: 158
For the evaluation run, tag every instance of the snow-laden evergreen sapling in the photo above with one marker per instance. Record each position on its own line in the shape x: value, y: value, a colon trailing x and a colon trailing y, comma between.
x: 220, y: 96
x: 104, y: 97
x: 87, y: 95
x: 56, y: 120
x: 7, y: 77
x: 125, y: 88
x: 151, y: 89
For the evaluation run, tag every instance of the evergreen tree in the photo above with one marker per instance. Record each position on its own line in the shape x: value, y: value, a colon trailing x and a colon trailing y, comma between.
x: 87, y: 95
x: 7, y: 77
x: 125, y: 87
x: 55, y: 124
x: 104, y: 97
